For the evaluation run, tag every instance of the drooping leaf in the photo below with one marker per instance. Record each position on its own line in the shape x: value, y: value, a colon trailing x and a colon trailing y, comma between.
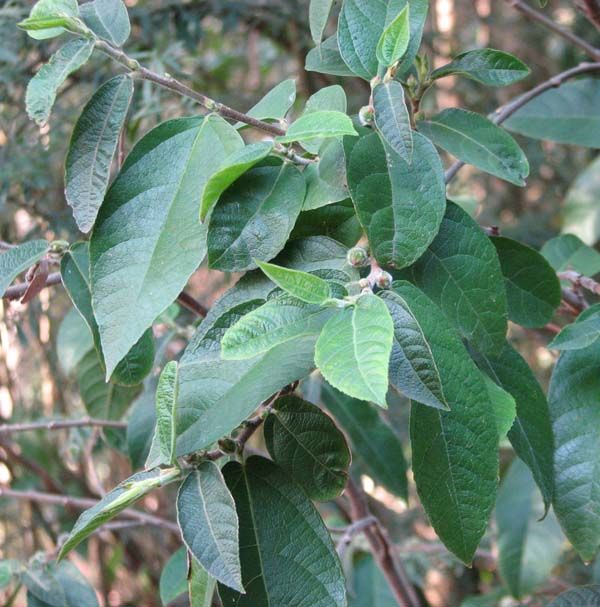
x: 73, y: 342
x: 173, y: 578
x: 392, y: 118
x: 487, y: 66
x: 476, y: 140
x: 254, y: 217
x: 93, y: 145
x: 39, y: 24
x: 302, y: 285
x: 326, y: 179
x: 583, y: 596
x: 162, y: 450
x: 114, y: 502
x: 395, y: 38
x: 504, y: 406
x: 338, y: 221
x: 319, y: 125
x: 201, y: 586
x: 371, y: 589
x: 307, y: 445
x: 286, y: 560
x: 529, y: 548
x: 460, y: 271
x: 400, y: 206
x: 326, y: 59
x: 234, y: 166
x: 567, y: 114
x: 108, y: 19
x: 275, y: 104
x: 374, y: 442
x: 147, y: 241
x: 578, y: 335
x: 569, y: 252
x: 413, y: 369
x: 532, y: 287
x: 209, y: 524
x: 43, y: 87
x: 318, y: 15
x: 17, y: 259
x: 458, y: 446
x: 354, y: 347
x: 328, y: 99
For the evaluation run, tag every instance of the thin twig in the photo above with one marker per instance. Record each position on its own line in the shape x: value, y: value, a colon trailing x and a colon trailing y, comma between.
x: 350, y: 531
x: 59, y: 424
x: 580, y: 281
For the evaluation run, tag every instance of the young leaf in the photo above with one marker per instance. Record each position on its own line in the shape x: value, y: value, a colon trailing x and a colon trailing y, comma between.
x: 39, y: 24
x: 329, y: 98
x: 93, y: 145
x: 209, y: 524
x: 569, y: 252
x: 583, y: 596
x: 147, y: 241
x: 318, y: 15
x: 460, y: 271
x: 108, y: 19
x: 413, y: 368
x: 487, y: 66
x: 459, y: 446
x: 326, y: 179
x: 275, y: 104
x: 125, y: 494
x: 234, y: 166
x: 392, y: 119
x: 201, y: 586
x: 395, y: 38
x: 318, y: 125
x: 17, y: 259
x: 529, y: 547
x: 254, y: 217
x: 401, y: 206
x: 302, y: 285
x: 578, y: 335
x: 282, y: 556
x: 326, y: 59
x: 307, y: 445
x: 476, y: 140
x: 173, y: 577
x: 353, y: 350
x: 43, y: 87
x: 568, y: 114
x: 504, y: 406
x: 532, y: 287
x: 374, y: 442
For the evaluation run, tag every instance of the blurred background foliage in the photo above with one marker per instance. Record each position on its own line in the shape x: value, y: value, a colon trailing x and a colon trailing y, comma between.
x: 235, y: 51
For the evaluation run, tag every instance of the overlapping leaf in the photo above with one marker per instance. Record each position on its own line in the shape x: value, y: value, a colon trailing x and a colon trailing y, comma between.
x: 17, y: 259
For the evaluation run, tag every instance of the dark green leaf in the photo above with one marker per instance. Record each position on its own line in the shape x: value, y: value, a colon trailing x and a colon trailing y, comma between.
x: 275, y: 104
x: 584, y: 596
x: 371, y: 589
x: 140, y: 425
x: 392, y: 118
x: 503, y: 405
x: 73, y: 342
x: 17, y: 259
x: 569, y: 252
x: 326, y: 59
x: 173, y: 577
x: 339, y: 221
x: 108, y: 19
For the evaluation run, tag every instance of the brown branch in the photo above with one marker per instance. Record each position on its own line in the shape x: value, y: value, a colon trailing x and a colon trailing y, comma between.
x: 591, y: 9
x: 60, y: 424
x: 580, y: 281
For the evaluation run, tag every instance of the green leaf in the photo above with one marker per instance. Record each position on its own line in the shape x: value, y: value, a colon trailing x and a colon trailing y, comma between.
x: 123, y: 495
x: 460, y: 271
x: 201, y: 585
x: 504, y: 406
x: 374, y: 442
x: 353, y: 350
x: 166, y: 417
x: 173, y: 578
x: 302, y: 285
x: 458, y: 446
x: 371, y: 589
x: 476, y: 140
x: 318, y: 125
x: 17, y: 259
x: 394, y: 40
x: 92, y: 148
x: 532, y: 287
x: 569, y: 252
x: 487, y: 66
x: 8, y: 572
x: 147, y: 241
x: 531, y: 434
x: 392, y: 119
x: 254, y: 217
x: 43, y: 87
x: 338, y: 221
x: 140, y: 425
x: 209, y: 524
x: 318, y: 15
x: 108, y: 19
x: 583, y: 596
x: 39, y: 23
x: 400, y: 206
x: 326, y: 59
x: 578, y: 335
x: 282, y: 556
x: 413, y: 369
x: 529, y: 548
x: 329, y: 98
x: 568, y: 114
x: 307, y: 445
x: 326, y: 179
x: 275, y: 104
x: 73, y: 342
x: 234, y: 166
x: 580, y: 212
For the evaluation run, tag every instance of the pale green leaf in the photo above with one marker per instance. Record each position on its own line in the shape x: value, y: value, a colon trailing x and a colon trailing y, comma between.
x: 578, y: 335
x: 568, y: 252
x: 201, y: 586
x: 392, y: 118
x: 48, y: 11
x: 318, y: 15
x: 108, y: 19
x: 318, y: 125
x: 17, y: 259
x: 394, y: 40
x: 173, y: 577
x: 166, y: 418
x: 73, y: 342
x: 329, y: 98
x: 302, y: 285
x: 326, y: 59
x: 504, y: 406
x: 275, y: 104
x: 326, y: 179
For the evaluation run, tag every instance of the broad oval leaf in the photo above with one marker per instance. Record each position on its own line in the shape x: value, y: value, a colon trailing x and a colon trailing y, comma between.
x: 254, y: 217
x: 17, y: 259
x: 306, y: 443
x: 569, y: 252
x: 319, y: 124
x: 568, y: 114
x: 147, y: 241
x: 395, y: 38
x: 392, y: 118
x: 43, y: 87
x: 93, y: 145
x: 302, y: 285
x: 162, y: 450
x: 287, y: 560
x: 275, y: 104
x: 38, y: 24
x: 487, y: 66
x: 108, y: 19
x: 318, y: 15
x: 578, y: 335
x: 476, y: 140
x: 329, y: 98
x: 401, y: 206
x: 209, y: 524
x: 532, y: 287
x: 326, y: 59
x: 583, y: 596
x: 353, y: 350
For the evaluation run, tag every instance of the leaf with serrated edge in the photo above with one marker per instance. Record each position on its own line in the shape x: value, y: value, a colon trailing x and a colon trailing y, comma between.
x: 302, y: 285
x: 392, y: 118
